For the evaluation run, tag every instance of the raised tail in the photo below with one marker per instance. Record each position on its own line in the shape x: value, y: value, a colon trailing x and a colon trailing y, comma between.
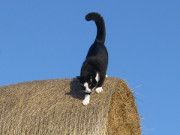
x: 97, y: 18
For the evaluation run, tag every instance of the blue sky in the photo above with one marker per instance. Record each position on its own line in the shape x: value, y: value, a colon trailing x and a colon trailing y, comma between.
x: 49, y: 39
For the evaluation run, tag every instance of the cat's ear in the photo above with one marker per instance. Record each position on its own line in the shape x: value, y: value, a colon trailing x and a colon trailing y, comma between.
x: 78, y: 77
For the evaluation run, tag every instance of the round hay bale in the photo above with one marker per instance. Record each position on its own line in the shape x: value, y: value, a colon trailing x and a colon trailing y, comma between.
x: 54, y: 107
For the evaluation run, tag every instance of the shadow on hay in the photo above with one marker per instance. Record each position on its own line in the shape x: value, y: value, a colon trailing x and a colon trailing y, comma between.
x: 76, y: 90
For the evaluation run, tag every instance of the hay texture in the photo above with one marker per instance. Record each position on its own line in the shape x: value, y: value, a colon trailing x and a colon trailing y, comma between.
x: 54, y: 107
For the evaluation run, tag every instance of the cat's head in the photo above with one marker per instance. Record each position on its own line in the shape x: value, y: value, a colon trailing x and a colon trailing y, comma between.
x: 88, y: 82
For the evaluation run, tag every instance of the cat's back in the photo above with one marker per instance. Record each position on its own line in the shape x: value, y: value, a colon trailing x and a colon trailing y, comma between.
x: 98, y: 49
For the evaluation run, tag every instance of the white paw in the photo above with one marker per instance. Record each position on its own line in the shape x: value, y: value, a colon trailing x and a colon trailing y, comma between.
x: 106, y: 76
x: 99, y: 89
x: 86, y: 100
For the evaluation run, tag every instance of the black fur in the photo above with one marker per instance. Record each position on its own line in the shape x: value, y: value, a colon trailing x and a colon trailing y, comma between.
x: 97, y: 58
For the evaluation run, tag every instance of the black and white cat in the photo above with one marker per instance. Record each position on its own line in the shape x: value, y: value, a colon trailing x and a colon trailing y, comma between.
x: 93, y: 71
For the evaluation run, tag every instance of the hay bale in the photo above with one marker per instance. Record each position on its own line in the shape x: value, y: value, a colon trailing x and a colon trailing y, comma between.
x: 54, y: 107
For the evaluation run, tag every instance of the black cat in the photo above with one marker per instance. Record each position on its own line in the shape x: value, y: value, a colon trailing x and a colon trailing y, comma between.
x: 93, y: 71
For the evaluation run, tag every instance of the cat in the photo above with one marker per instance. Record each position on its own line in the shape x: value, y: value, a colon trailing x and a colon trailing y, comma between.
x: 93, y: 70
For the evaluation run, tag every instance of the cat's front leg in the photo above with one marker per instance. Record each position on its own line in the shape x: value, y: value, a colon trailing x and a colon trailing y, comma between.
x: 100, y: 83
x: 86, y: 99
x: 99, y: 89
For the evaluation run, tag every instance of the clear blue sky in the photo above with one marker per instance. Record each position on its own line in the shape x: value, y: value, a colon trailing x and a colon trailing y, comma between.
x: 49, y: 39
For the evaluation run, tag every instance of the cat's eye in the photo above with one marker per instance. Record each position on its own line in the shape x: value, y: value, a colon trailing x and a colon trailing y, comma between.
x: 91, y: 80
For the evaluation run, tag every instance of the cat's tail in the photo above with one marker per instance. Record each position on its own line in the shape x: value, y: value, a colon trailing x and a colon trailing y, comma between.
x: 97, y: 18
